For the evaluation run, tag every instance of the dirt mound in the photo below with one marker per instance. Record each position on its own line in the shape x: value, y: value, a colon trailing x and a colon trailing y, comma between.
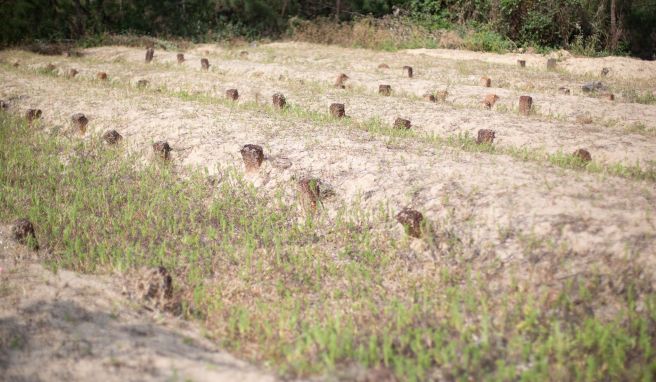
x: 68, y: 327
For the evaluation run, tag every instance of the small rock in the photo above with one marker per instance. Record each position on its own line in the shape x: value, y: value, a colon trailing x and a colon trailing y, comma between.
x: 71, y: 73
x: 563, y: 90
x: 385, y: 90
x: 180, y: 57
x: 383, y: 66
x: 593, y: 86
x: 486, y: 82
x: 102, y: 76
x: 281, y: 162
x: 521, y: 63
x: 142, y: 83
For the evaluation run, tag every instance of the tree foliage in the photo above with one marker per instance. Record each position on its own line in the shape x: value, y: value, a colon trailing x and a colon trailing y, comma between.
x: 632, y: 25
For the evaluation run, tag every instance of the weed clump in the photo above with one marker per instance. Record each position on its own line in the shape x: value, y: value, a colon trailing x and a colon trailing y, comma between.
x: 101, y: 76
x: 180, y: 58
x: 385, y: 90
x: 309, y: 193
x: 485, y: 82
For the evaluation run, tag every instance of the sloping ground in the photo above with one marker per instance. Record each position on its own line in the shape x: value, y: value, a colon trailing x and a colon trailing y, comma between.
x: 69, y: 327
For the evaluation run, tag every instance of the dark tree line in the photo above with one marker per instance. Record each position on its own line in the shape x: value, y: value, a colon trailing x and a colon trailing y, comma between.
x: 611, y: 25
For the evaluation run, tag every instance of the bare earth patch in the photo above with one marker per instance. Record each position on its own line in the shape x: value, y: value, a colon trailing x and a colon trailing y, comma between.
x: 69, y: 327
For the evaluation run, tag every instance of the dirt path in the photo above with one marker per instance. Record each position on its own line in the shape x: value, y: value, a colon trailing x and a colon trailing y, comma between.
x: 72, y: 327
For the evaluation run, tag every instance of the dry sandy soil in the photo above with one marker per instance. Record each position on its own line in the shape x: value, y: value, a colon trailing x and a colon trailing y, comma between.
x: 69, y: 327
x: 504, y: 208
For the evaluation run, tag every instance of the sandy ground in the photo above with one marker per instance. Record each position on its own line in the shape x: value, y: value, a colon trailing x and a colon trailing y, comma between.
x: 480, y: 195
x: 613, y: 131
x: 69, y: 327
x: 621, y: 67
x: 503, y: 210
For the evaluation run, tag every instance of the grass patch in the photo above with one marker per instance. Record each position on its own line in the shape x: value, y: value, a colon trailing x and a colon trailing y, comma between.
x: 315, y: 295
x: 644, y: 97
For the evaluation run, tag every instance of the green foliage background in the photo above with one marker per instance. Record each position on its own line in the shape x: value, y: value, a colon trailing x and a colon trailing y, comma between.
x: 584, y: 24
